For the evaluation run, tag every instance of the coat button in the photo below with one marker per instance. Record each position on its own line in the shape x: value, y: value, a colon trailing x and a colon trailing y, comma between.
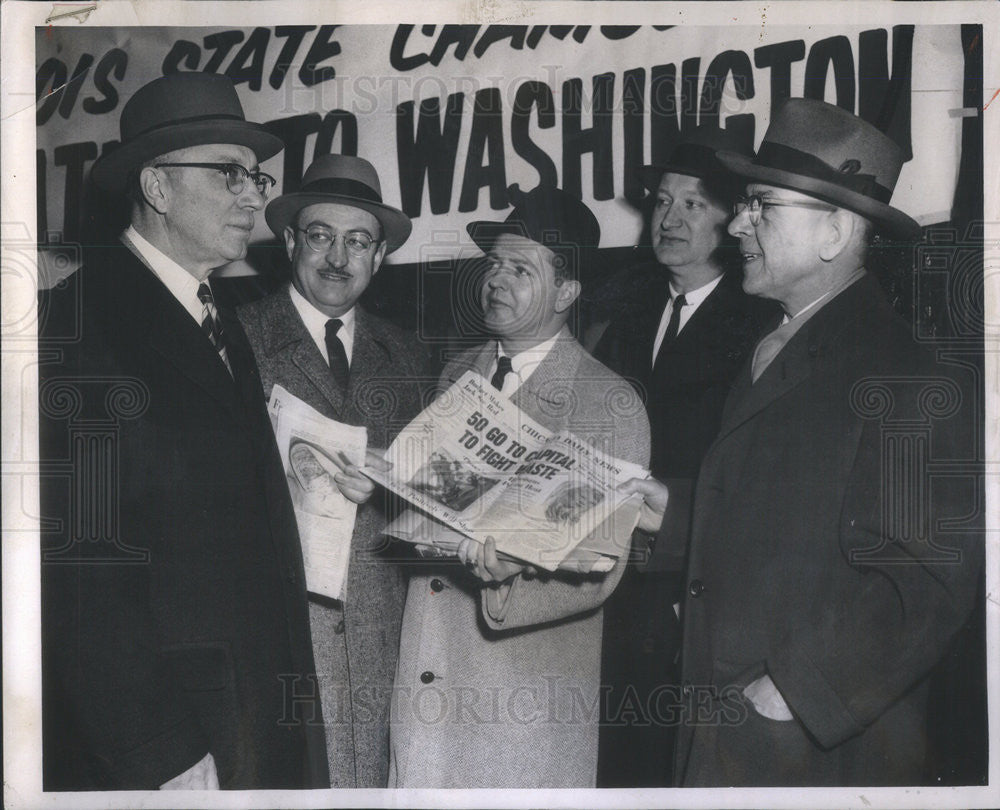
x: 437, y: 585
x: 696, y: 588
x: 338, y: 628
x: 426, y: 677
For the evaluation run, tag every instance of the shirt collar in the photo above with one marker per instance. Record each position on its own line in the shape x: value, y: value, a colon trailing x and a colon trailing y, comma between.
x: 182, y: 285
x: 695, y: 297
x: 525, y: 362
x: 315, y: 322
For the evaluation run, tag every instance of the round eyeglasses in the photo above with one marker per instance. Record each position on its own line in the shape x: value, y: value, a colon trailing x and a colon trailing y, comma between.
x: 357, y: 243
x: 236, y: 176
x: 755, y: 203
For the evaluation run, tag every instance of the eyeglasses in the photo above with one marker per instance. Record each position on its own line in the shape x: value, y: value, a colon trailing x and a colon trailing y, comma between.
x: 357, y: 243
x: 755, y: 203
x: 236, y: 176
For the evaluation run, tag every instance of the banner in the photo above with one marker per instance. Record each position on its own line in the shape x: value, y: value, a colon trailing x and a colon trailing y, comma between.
x: 453, y: 115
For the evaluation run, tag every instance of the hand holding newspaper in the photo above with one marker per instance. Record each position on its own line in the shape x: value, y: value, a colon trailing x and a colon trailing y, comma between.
x: 313, y: 450
x: 476, y: 466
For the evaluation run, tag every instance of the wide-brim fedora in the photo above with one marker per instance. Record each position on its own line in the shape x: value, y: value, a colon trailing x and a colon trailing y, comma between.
x: 343, y: 179
x: 551, y: 217
x: 826, y: 152
x: 175, y: 112
x: 696, y: 155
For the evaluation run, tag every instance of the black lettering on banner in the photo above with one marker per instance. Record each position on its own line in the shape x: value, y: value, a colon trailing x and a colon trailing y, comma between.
x: 664, y: 126
x: 832, y: 52
x: 321, y: 48
x: 429, y: 154
x: 293, y: 131
x: 72, y: 89
x: 779, y: 58
x: 595, y: 139
x: 221, y: 43
x: 486, y: 136
x: 498, y: 33
x: 538, y: 95
x: 396, y: 58
x: 49, y: 79
x: 885, y: 101
x: 248, y: 64
x: 344, y: 122
x: 183, y: 52
x: 728, y: 63
x: 294, y: 34
x: 42, y: 213
x: 74, y: 157
x: 633, y: 120
x: 114, y: 62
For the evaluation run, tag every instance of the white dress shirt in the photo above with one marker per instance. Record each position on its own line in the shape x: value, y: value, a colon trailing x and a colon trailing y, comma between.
x: 315, y: 322
x: 694, y: 299
x: 182, y: 285
x: 523, y: 365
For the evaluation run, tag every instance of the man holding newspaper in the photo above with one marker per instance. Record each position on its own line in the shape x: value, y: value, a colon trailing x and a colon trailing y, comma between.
x: 499, y: 664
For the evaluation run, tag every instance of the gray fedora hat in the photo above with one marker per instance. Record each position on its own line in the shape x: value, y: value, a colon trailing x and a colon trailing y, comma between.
x: 175, y: 112
x: 828, y: 153
x: 341, y: 179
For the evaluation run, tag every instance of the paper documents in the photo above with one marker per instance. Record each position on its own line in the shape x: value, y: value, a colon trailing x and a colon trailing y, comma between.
x: 482, y: 468
x: 313, y: 449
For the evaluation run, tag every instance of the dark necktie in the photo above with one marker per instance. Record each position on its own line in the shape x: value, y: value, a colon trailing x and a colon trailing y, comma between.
x: 210, y: 324
x: 674, y: 324
x: 335, y: 351
x: 503, y: 369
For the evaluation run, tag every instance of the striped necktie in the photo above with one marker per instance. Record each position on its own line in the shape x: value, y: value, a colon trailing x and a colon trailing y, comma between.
x: 210, y: 324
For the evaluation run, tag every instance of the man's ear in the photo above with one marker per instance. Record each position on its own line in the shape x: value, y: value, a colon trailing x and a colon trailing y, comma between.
x: 379, y: 255
x: 155, y: 190
x: 839, y: 234
x: 569, y: 291
x: 289, y: 234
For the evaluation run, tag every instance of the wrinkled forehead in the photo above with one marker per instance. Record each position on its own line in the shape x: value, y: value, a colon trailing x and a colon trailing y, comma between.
x: 339, y: 217
x: 212, y: 153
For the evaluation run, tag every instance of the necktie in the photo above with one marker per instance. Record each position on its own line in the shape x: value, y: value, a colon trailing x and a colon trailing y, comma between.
x: 769, y: 347
x: 503, y: 369
x: 335, y: 351
x: 210, y: 324
x: 674, y: 324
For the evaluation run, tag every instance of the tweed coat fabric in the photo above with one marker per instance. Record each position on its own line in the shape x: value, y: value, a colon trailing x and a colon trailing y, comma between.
x: 684, y: 393
x: 498, y: 687
x: 823, y: 555
x: 355, y: 641
x: 174, y: 605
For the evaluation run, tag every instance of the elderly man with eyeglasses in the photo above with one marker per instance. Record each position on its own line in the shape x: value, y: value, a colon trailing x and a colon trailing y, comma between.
x: 829, y: 566
x: 175, y: 627
x: 315, y: 339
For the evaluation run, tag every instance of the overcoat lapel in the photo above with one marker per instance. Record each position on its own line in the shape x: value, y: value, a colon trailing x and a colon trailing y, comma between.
x: 369, y: 357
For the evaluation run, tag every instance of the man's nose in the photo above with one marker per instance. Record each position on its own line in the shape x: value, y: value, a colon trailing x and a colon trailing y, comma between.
x: 740, y: 225
x: 251, y: 197
x: 337, y: 253
x: 668, y: 216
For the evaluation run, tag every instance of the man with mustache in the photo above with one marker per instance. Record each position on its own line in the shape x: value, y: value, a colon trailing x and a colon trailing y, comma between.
x: 175, y: 632
x: 315, y: 340
x: 828, y: 568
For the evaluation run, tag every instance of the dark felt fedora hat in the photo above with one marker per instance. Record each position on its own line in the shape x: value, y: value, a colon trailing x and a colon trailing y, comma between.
x: 824, y: 151
x: 696, y: 155
x: 343, y: 179
x: 175, y: 112
x: 551, y: 217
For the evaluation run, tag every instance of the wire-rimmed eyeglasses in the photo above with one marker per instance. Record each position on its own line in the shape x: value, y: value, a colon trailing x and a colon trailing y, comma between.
x: 236, y: 176
x: 755, y: 203
x: 357, y: 243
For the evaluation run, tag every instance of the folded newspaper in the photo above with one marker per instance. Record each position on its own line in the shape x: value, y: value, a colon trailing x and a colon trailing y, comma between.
x: 313, y: 450
x: 476, y: 466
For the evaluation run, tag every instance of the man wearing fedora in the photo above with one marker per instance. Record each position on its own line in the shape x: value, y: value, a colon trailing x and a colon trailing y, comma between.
x: 499, y: 671
x: 175, y: 627
x: 685, y: 331
x: 315, y: 339
x: 824, y: 580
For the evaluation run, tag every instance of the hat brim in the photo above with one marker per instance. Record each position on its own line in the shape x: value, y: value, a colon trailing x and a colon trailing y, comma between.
x: 281, y: 211
x: 485, y: 232
x: 651, y: 175
x: 111, y: 171
x: 891, y: 220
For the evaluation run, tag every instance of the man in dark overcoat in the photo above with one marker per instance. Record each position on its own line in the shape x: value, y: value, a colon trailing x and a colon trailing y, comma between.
x: 175, y: 630
x: 828, y: 568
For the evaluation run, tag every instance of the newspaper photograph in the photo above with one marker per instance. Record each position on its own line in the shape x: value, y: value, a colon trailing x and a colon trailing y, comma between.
x: 313, y: 450
x: 473, y: 461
